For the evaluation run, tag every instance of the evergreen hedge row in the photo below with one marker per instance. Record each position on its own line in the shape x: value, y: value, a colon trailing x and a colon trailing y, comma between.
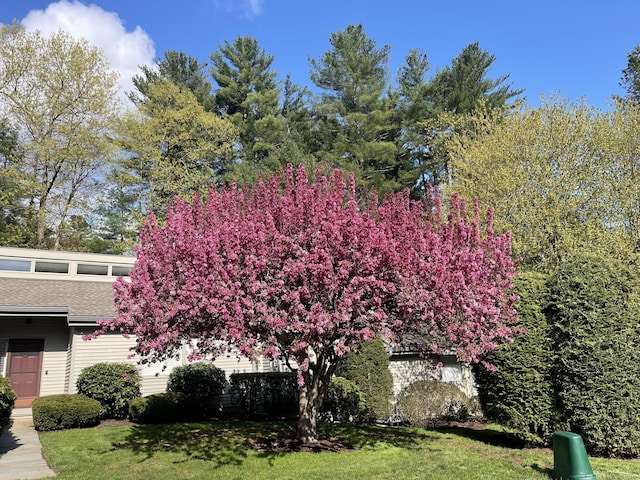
x: 594, y: 315
x: 578, y: 367
x: 519, y: 394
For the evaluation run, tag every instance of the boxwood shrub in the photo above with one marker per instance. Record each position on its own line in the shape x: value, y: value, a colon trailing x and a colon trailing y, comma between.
x: 114, y: 385
x: 59, y: 412
x: 7, y: 401
x: 203, y: 382
x: 169, y: 407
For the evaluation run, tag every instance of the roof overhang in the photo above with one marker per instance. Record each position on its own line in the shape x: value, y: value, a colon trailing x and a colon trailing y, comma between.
x: 12, y: 311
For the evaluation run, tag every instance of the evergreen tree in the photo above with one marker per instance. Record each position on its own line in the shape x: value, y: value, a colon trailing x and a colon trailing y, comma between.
x: 248, y: 95
x: 355, y: 118
x: 631, y: 76
x: 368, y: 368
x: 460, y: 88
x: 183, y: 70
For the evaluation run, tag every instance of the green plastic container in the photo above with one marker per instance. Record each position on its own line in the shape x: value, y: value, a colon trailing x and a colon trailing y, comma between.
x: 570, y: 461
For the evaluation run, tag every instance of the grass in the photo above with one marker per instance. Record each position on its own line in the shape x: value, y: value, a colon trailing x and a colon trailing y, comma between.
x: 221, y: 450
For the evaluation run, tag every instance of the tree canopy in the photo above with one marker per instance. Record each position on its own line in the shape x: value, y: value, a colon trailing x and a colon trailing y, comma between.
x: 300, y: 270
x: 59, y: 95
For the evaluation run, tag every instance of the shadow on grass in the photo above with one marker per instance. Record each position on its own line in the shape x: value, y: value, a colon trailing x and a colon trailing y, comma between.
x: 495, y: 438
x: 224, y: 443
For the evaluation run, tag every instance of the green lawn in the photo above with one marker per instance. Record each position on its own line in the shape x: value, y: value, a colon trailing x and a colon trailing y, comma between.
x: 220, y: 450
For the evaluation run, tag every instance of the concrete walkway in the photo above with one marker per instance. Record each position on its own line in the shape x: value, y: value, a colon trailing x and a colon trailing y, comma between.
x: 20, y: 450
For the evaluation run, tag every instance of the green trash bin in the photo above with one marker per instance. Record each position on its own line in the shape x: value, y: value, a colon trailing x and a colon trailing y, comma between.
x: 570, y: 461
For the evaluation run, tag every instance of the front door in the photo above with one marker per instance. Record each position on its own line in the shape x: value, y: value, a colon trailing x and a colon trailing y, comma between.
x: 24, y: 368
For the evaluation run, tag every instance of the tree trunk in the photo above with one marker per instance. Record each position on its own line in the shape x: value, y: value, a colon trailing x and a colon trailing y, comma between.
x: 308, y: 414
x: 316, y: 381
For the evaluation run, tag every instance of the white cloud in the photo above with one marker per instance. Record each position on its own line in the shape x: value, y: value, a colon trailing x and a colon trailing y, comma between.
x: 248, y: 9
x: 124, y: 50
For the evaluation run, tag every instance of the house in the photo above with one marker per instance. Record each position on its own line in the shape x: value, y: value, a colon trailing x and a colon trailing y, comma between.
x: 50, y: 299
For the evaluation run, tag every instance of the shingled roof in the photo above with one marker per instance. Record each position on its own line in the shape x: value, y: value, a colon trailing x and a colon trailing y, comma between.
x: 80, y: 298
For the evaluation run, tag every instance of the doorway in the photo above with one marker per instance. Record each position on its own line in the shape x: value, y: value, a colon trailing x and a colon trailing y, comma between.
x: 24, y: 366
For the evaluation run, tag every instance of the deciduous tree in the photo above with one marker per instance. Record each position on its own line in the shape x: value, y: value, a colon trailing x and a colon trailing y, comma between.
x: 299, y: 270
x: 60, y: 95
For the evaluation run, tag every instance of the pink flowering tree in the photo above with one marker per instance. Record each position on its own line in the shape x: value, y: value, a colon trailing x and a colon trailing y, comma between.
x: 296, y: 269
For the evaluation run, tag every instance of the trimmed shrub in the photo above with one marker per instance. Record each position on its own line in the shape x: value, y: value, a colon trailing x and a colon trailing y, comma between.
x: 169, y: 407
x: 426, y: 402
x: 114, y: 385
x: 344, y: 403
x: 594, y: 311
x: 519, y: 394
x: 368, y: 368
x: 274, y: 394
x: 7, y: 400
x: 59, y: 412
x: 203, y: 382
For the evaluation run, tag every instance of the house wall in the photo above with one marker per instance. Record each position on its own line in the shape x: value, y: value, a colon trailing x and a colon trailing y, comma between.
x: 113, y: 347
x: 55, y: 333
x: 407, y: 369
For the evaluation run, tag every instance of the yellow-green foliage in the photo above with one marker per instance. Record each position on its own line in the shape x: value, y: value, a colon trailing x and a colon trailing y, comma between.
x: 561, y: 177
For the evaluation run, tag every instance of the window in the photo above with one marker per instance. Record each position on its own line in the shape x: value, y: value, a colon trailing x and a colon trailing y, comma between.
x: 15, y: 265
x: 52, y: 267
x: 121, y: 270
x: 451, y: 369
x: 88, y: 269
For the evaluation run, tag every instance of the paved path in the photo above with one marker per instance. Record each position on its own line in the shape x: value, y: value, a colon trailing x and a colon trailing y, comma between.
x: 21, y: 453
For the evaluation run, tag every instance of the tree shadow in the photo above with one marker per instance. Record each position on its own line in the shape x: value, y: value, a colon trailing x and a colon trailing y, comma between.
x: 204, y: 441
x: 225, y: 443
x: 495, y: 438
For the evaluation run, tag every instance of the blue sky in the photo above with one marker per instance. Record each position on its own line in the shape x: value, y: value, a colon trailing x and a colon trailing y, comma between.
x: 572, y: 48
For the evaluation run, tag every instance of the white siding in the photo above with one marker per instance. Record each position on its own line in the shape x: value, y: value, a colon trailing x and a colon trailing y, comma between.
x: 54, y: 332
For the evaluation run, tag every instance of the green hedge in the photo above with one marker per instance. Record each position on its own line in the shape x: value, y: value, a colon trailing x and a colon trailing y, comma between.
x: 59, y: 412
x: 114, y: 385
x: 274, y: 394
x: 203, y: 382
x: 169, y: 407
x: 368, y: 368
x: 594, y: 316
x: 519, y: 394
x: 344, y: 402
x: 7, y: 401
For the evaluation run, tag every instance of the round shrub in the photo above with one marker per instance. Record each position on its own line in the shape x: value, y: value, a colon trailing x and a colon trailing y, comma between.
x: 344, y: 403
x: 114, y: 385
x: 59, y: 412
x: 594, y: 311
x: 368, y: 368
x: 203, y: 382
x: 426, y: 402
x: 7, y: 400
x: 169, y: 407
x: 519, y: 394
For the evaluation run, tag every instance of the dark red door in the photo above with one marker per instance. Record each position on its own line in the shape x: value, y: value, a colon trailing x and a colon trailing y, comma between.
x: 25, y: 361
